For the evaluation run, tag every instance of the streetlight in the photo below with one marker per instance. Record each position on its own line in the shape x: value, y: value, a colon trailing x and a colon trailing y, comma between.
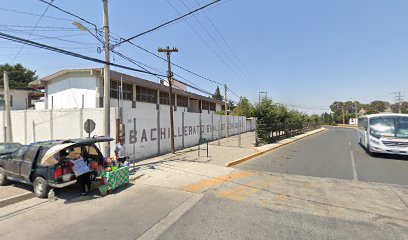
x: 106, y: 72
x: 85, y: 29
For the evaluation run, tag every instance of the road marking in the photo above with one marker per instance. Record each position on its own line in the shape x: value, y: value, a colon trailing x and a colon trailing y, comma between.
x: 349, y: 143
x: 353, y: 164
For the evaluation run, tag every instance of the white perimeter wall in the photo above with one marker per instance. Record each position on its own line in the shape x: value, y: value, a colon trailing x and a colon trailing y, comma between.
x: 147, y: 129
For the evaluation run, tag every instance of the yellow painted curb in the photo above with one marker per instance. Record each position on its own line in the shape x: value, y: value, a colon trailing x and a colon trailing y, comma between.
x: 241, y: 160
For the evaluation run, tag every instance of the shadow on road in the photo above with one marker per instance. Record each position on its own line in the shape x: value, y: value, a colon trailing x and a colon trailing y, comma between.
x: 72, y: 194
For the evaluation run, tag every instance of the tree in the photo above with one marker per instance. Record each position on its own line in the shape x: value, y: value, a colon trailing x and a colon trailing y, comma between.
x: 19, y: 76
x: 217, y: 95
x: 377, y: 107
x: 231, y: 105
x: 243, y: 108
x: 326, y: 119
x: 404, y: 107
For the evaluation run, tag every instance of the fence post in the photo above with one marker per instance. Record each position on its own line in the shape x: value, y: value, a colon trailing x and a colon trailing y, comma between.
x: 239, y: 133
x: 219, y: 131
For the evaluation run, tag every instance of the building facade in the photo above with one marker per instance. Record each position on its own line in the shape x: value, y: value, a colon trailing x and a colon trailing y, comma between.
x: 20, y: 99
x: 83, y: 88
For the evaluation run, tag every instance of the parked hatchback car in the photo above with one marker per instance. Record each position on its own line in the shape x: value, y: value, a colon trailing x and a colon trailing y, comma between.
x: 6, y: 148
x: 36, y: 165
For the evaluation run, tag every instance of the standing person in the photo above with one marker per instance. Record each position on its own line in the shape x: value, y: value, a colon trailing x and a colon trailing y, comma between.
x: 81, y: 171
x: 120, y: 151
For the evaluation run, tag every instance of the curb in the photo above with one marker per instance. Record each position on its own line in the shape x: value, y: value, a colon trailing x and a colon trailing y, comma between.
x: 340, y: 126
x: 241, y: 160
x: 15, y: 199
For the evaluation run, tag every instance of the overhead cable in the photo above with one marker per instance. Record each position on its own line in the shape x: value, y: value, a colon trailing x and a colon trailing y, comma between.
x: 62, y: 51
x: 167, y: 23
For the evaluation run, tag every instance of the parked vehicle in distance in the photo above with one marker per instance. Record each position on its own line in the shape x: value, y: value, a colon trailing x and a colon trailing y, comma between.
x: 384, y: 133
x: 6, y: 148
x: 34, y: 164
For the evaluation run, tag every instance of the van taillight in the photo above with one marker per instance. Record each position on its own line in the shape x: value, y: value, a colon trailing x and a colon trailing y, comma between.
x: 57, y: 172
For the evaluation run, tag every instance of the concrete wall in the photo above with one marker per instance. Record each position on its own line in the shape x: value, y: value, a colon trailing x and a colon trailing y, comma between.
x: 146, y: 129
x: 68, y: 91
x: 40, y: 125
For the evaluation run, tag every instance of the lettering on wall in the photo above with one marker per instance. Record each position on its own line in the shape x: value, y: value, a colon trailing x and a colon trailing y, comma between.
x: 152, y: 134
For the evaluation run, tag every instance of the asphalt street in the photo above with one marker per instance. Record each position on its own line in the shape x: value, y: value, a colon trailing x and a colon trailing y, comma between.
x: 334, y: 153
x: 214, y: 218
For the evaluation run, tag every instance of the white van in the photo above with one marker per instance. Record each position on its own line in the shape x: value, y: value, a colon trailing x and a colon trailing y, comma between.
x: 384, y: 133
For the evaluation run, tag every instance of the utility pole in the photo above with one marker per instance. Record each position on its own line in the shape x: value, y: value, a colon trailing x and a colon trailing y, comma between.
x: 7, y: 120
x: 399, y: 99
x: 356, y: 106
x: 342, y: 112
x: 106, y: 77
x: 263, y: 92
x: 168, y: 52
x: 226, y: 108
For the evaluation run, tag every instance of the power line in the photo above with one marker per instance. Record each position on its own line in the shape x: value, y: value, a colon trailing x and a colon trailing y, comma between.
x: 166, y: 23
x: 135, y: 45
x: 223, y: 39
x: 139, y: 64
x: 40, y: 27
x: 53, y: 37
x: 215, y: 41
x: 69, y: 13
x: 54, y: 49
x: 176, y: 65
x: 33, y: 14
x: 206, y: 43
x: 35, y: 26
x: 121, y: 40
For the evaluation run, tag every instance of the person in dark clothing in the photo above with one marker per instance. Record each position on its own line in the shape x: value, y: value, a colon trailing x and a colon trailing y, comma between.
x: 81, y: 171
x: 85, y: 180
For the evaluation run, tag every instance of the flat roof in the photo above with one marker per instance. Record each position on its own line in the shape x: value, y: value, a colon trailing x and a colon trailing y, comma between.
x: 117, y: 76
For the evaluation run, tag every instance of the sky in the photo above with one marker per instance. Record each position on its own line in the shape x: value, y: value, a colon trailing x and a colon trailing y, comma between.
x: 303, y: 53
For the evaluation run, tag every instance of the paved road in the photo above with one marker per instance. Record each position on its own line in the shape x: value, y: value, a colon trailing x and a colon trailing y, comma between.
x: 335, y: 153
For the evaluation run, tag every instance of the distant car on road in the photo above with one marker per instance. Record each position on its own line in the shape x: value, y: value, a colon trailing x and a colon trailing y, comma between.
x: 36, y: 164
x: 384, y: 133
x: 6, y: 148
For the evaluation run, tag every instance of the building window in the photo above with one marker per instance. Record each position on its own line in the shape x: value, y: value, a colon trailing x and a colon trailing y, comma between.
x: 182, y: 101
x: 206, y: 105
x: 146, y: 95
x: 127, y: 90
x: 164, y: 98
x: 2, y: 100
x: 212, y: 107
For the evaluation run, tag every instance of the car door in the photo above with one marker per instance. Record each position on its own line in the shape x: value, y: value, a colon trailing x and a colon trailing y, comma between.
x: 26, y: 163
x: 13, y: 164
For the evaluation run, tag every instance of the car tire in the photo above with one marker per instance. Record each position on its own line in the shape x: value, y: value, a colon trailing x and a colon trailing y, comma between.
x: 371, y: 153
x: 41, y: 187
x: 3, y: 178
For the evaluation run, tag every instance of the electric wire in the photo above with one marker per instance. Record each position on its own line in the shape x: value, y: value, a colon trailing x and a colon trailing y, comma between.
x: 135, y: 45
x: 62, y: 51
x: 225, y: 41
x: 35, y: 26
x: 167, y: 23
x: 244, y: 77
x: 33, y: 14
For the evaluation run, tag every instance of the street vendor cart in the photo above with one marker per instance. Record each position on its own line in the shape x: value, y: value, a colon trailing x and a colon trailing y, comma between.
x: 113, y: 179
